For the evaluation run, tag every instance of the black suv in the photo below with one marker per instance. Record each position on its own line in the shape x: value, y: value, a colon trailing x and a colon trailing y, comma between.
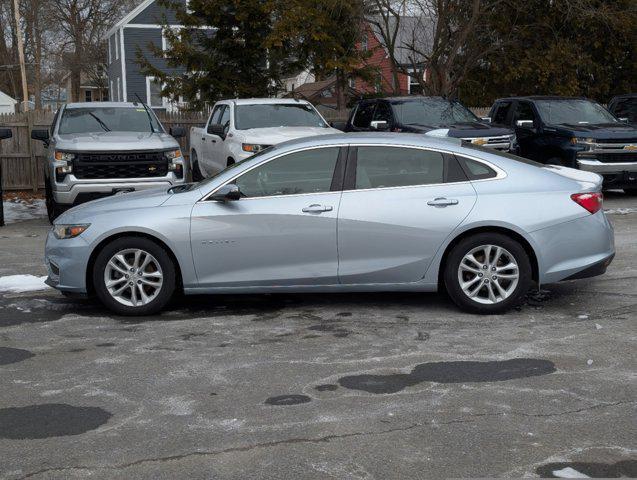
x: 573, y: 132
x: 433, y: 115
x: 624, y: 107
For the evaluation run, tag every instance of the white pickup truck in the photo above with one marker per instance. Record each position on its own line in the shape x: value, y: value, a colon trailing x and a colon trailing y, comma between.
x: 237, y: 129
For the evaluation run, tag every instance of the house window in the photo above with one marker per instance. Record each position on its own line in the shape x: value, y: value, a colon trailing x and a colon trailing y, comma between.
x: 364, y: 45
x: 153, y: 92
x: 413, y: 87
x: 110, y: 59
x: 351, y: 82
x: 118, y: 90
x: 115, y: 37
x: 88, y: 95
x: 111, y: 92
x: 378, y: 83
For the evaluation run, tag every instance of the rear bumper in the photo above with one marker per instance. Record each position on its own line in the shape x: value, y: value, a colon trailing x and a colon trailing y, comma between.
x: 594, y: 270
x: 570, y: 249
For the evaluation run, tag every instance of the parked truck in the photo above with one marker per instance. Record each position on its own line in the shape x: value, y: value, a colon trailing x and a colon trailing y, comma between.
x: 103, y: 148
x: 237, y: 129
x: 573, y: 132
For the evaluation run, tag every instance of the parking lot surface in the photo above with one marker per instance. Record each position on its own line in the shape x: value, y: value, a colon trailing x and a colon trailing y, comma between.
x: 347, y: 386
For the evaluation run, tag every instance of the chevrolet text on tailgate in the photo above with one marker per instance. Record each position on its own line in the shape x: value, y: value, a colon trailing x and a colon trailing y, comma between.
x: 100, y: 149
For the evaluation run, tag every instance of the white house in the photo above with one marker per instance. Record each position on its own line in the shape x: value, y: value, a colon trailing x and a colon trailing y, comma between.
x: 7, y: 103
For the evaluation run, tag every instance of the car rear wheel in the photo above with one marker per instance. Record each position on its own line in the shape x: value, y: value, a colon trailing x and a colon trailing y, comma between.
x: 134, y: 276
x: 487, y: 273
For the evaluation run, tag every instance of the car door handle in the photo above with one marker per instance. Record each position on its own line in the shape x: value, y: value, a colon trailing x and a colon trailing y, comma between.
x: 203, y: 139
x: 442, y: 202
x: 316, y: 208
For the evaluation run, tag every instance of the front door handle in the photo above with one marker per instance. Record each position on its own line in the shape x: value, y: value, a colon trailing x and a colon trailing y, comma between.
x: 442, y: 202
x: 316, y: 208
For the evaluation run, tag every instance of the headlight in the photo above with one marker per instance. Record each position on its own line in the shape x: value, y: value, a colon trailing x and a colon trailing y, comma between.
x: 69, y: 231
x: 64, y: 156
x: 253, y: 148
x: 173, y: 154
x: 585, y: 143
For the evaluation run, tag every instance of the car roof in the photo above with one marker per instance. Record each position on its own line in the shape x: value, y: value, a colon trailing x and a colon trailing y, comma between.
x: 412, y: 98
x: 265, y: 101
x: 623, y: 96
x: 542, y: 97
x: 103, y: 105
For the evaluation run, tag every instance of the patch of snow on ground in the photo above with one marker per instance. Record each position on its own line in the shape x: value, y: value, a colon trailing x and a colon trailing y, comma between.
x: 22, y: 283
x: 620, y: 211
x: 569, y: 472
x: 17, y: 210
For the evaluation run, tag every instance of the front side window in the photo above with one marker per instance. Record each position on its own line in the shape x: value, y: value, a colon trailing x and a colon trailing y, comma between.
x: 381, y: 167
x: 363, y: 116
x: 432, y: 112
x: 216, y: 114
x: 524, y: 111
x: 573, y: 112
x: 383, y: 113
x: 501, y: 112
x: 117, y: 119
x: 308, y: 171
x: 273, y: 115
x: 225, y: 119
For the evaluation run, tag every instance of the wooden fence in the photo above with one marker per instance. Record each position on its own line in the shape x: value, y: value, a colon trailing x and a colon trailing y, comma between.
x: 23, y: 159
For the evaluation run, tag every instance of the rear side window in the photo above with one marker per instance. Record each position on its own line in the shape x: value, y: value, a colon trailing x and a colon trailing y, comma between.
x: 363, y: 116
x: 501, y: 112
x: 476, y: 170
x: 382, y: 167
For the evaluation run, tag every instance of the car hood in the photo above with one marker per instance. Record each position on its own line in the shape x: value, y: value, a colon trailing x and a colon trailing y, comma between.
x: 275, y: 135
x: 605, y: 131
x: 467, y: 130
x: 115, y: 141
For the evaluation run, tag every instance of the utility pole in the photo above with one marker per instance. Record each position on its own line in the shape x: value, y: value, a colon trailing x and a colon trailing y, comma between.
x: 23, y: 69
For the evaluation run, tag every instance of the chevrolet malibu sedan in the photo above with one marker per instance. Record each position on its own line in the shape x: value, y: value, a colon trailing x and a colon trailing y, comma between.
x: 341, y: 213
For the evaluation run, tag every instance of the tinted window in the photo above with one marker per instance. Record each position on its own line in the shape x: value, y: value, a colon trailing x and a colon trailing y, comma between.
x: 225, y: 118
x: 379, y: 167
x: 116, y: 119
x: 309, y: 171
x: 625, y: 108
x: 363, y: 115
x: 573, y: 112
x: 432, y: 112
x: 277, y: 115
x: 383, y: 112
x: 523, y: 111
x: 501, y: 112
x: 476, y: 170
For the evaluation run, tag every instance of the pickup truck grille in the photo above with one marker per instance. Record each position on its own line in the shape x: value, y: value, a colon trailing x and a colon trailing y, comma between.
x: 616, y: 157
x: 117, y: 165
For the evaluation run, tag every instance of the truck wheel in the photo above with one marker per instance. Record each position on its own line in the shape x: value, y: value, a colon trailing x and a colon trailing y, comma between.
x: 196, y: 171
x: 555, y: 161
x: 487, y: 273
x: 134, y: 276
x: 230, y: 162
x: 53, y: 209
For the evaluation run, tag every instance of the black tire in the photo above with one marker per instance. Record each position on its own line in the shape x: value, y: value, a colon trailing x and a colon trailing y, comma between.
x: 167, y: 288
x: 53, y: 209
x: 630, y: 191
x: 456, y: 255
x: 230, y: 162
x: 197, y: 176
x: 555, y: 161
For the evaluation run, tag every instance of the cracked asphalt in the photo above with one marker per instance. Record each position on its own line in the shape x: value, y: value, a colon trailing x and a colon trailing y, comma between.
x: 356, y: 386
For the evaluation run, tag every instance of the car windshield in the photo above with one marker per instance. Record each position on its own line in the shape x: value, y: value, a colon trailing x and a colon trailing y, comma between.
x: 432, y: 112
x: 277, y: 115
x: 573, y: 112
x: 107, y: 119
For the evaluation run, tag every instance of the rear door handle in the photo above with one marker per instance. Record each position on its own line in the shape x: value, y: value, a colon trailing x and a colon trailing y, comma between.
x: 442, y: 202
x: 316, y: 208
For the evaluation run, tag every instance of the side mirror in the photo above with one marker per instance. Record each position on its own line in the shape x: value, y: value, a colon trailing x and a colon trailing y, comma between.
x: 339, y: 125
x: 5, y: 133
x: 486, y: 119
x: 525, y: 124
x: 379, y: 125
x: 227, y: 193
x: 623, y: 119
x: 177, y: 132
x: 216, y: 129
x: 42, y: 135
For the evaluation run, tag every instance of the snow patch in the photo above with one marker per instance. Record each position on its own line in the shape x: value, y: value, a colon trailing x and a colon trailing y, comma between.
x: 569, y: 472
x: 18, y: 210
x: 22, y: 283
x: 620, y: 211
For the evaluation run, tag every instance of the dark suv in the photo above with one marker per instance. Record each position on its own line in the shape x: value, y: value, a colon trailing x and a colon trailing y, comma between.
x: 624, y: 107
x: 573, y: 132
x: 432, y: 115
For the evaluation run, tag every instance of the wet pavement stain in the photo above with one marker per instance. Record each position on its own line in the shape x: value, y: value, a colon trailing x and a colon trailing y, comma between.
x: 344, y: 314
x: 49, y: 420
x: 191, y: 335
x: 450, y: 372
x: 422, y: 336
x: 335, y: 329
x: 13, y: 355
x: 107, y: 344
x: 285, y: 400
x: 77, y: 350
x: 328, y: 387
x: 623, y: 469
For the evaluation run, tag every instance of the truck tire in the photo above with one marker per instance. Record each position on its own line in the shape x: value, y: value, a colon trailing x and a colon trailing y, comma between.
x: 197, y: 176
x: 53, y: 209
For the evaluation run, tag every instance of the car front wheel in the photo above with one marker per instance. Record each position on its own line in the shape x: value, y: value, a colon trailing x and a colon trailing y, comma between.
x: 487, y: 273
x: 134, y: 276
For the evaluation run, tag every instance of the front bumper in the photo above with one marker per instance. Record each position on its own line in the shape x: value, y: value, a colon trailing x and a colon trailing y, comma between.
x: 596, y: 166
x: 85, y: 191
x: 568, y: 249
x: 66, y: 261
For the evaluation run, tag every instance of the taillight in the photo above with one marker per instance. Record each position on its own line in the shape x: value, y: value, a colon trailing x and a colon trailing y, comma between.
x: 590, y: 201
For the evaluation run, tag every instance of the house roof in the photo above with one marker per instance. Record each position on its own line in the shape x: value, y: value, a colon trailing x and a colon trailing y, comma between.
x: 7, y: 99
x: 127, y: 18
x: 416, y: 32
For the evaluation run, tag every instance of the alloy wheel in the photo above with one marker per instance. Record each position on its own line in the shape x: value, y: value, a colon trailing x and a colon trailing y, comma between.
x: 488, y: 274
x: 133, y: 277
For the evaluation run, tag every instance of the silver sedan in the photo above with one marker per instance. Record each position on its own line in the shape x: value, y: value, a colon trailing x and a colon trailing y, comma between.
x: 353, y: 213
